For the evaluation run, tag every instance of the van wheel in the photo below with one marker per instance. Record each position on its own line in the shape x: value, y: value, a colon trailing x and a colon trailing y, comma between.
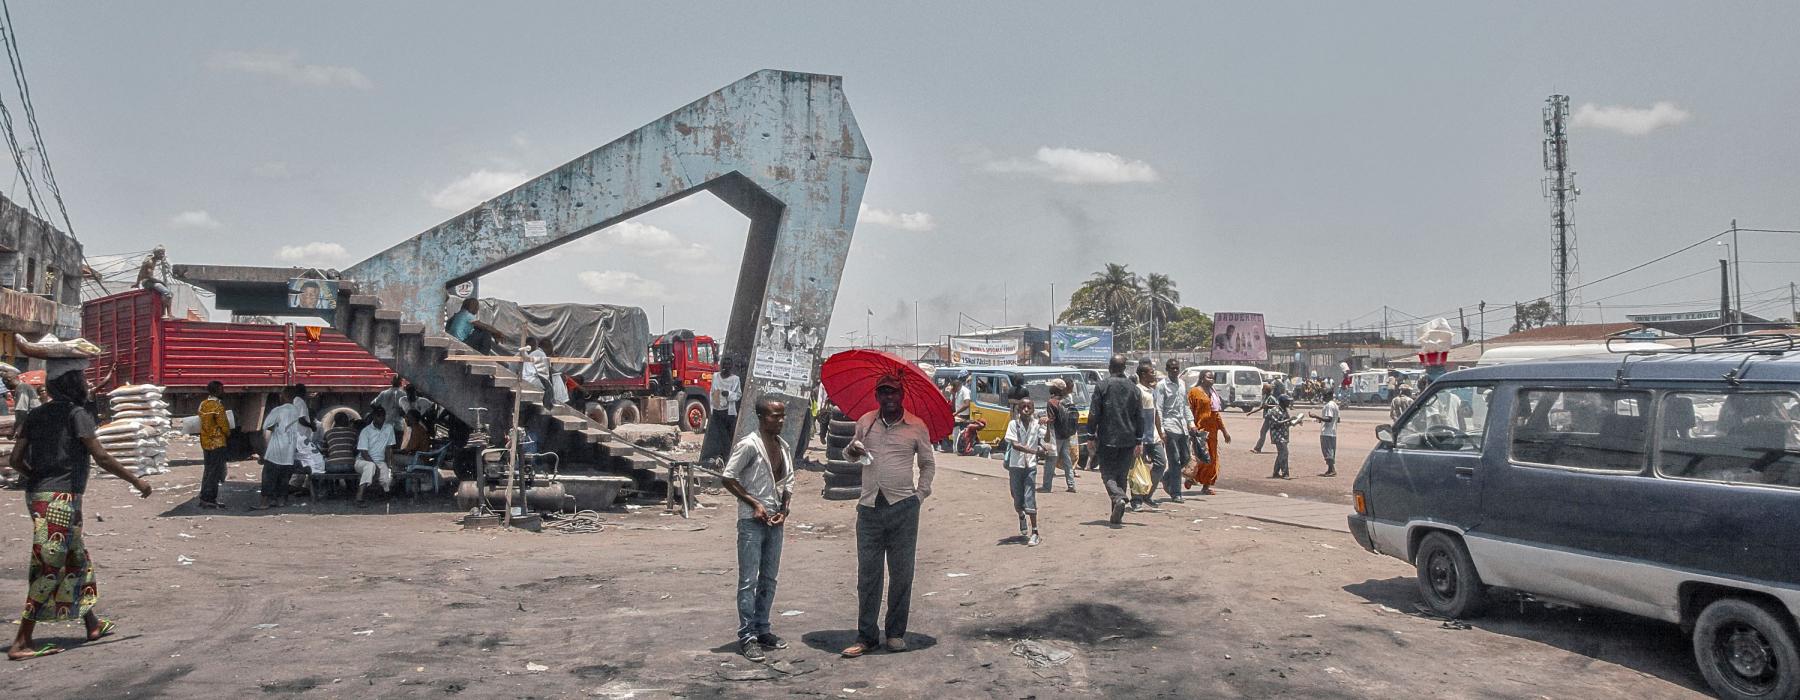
x: 1746, y: 651
x: 1447, y: 578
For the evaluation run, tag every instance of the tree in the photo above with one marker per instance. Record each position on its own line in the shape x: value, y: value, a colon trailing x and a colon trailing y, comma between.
x: 1109, y: 298
x: 1189, y: 330
x: 1160, y: 300
x: 1536, y: 314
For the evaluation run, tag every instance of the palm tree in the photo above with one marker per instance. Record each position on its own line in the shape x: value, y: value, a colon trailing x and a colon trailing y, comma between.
x: 1117, y: 290
x: 1160, y: 300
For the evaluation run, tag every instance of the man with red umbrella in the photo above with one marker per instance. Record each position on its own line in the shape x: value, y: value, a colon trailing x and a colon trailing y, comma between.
x: 890, y: 441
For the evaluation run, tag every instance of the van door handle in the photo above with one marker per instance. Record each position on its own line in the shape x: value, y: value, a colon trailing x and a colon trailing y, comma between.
x: 1465, y: 472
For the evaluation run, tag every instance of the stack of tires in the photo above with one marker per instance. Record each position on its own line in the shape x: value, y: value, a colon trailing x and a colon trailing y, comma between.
x: 843, y: 478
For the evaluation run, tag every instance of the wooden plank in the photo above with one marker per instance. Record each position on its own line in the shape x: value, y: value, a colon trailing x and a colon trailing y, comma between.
x: 516, y: 358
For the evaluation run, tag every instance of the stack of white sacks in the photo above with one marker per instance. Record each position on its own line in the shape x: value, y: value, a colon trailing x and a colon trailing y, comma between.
x: 137, y: 435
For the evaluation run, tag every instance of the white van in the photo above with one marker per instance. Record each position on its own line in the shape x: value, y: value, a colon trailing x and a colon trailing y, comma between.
x: 1238, y: 385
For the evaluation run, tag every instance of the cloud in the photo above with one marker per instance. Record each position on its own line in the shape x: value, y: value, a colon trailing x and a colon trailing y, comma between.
x: 314, y: 252
x: 1631, y: 121
x: 272, y: 170
x: 647, y: 240
x: 1079, y: 167
x: 905, y: 221
x: 287, y: 66
x: 475, y: 188
x: 618, y: 285
x: 197, y: 218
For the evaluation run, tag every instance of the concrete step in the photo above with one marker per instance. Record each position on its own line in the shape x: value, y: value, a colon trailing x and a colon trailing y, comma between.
x: 364, y: 300
x: 387, y: 314
x: 412, y: 329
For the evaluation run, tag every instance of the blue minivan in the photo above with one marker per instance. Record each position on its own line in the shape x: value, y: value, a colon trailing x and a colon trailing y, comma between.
x: 1663, y: 484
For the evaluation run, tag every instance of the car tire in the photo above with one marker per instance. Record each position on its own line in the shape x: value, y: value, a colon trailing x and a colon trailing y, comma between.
x: 1447, y: 578
x: 838, y: 441
x: 842, y: 467
x: 1746, y: 650
x: 835, y: 454
x: 842, y: 493
x: 843, y: 428
x: 833, y: 480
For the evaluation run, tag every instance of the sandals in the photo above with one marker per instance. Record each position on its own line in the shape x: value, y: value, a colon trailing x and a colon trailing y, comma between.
x: 857, y: 649
x: 46, y: 650
x: 106, y: 628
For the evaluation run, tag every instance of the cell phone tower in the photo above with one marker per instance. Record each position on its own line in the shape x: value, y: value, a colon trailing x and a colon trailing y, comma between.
x: 1559, y: 188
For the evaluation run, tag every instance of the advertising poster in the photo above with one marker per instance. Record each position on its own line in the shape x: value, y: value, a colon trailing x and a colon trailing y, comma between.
x: 985, y: 352
x: 1239, y: 337
x: 1081, y: 345
x: 311, y: 294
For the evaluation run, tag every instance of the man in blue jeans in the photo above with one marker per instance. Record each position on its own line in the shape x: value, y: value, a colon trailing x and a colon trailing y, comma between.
x: 1064, y: 422
x: 760, y: 476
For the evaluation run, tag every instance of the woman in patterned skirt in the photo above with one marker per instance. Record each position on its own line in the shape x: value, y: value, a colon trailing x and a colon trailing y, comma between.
x: 52, y: 450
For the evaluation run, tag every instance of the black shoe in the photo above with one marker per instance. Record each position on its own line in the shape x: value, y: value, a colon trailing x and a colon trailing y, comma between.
x: 1118, y: 512
x: 1330, y: 473
x: 770, y: 641
x: 751, y: 649
x: 1177, y: 499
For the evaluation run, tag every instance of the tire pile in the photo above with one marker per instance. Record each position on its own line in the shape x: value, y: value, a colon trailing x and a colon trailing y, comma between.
x: 843, y: 478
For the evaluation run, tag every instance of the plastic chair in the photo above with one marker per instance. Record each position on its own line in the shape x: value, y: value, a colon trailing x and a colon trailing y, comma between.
x: 427, y: 463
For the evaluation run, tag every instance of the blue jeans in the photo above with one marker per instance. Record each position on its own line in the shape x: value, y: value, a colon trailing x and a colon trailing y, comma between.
x: 759, y: 560
x: 1159, y: 463
x: 1024, y: 487
x: 1065, y: 461
x: 1177, y: 445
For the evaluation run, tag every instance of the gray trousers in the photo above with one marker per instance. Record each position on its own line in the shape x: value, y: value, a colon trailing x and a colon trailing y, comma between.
x: 1064, y: 461
x: 885, y: 533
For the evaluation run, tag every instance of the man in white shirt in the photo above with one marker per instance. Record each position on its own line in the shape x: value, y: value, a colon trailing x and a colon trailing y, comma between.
x: 761, y: 477
x: 1024, y: 443
x: 372, y: 447
x: 282, y: 430
x: 534, y: 367
x: 1171, y: 403
x: 721, y: 428
x: 1329, y: 415
x: 960, y: 397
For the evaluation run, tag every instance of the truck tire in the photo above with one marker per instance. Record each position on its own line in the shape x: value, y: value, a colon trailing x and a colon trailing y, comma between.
x: 347, y: 415
x: 838, y: 441
x: 835, y: 454
x: 694, y: 414
x: 842, y: 493
x: 625, y: 411
x: 846, y: 428
x: 1745, y: 650
x: 833, y: 481
x: 842, y: 467
x: 1447, y: 578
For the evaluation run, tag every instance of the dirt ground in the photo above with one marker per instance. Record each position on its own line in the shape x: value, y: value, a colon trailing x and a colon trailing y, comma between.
x: 396, y: 602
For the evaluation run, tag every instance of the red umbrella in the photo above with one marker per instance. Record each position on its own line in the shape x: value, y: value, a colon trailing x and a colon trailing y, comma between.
x: 34, y: 377
x: 850, y: 378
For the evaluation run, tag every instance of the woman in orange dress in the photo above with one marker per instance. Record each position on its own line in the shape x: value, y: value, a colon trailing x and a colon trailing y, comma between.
x: 1206, y: 417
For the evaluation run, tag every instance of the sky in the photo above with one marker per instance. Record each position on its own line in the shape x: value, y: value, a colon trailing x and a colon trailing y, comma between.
x: 1315, y: 162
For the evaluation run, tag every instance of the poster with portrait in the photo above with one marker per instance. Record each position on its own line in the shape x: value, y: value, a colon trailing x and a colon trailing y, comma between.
x: 1239, y: 337
x: 312, y: 294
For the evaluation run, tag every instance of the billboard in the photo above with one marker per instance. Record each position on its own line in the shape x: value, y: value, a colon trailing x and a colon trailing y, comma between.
x: 1239, y: 337
x: 1081, y: 345
x: 312, y: 294
x: 986, y: 352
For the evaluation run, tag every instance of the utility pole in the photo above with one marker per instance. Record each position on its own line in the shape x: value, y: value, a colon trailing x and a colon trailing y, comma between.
x: 1559, y: 188
x: 1737, y: 282
x: 1384, y: 323
x: 1481, y: 315
x: 1725, y: 294
x: 915, y: 324
x: 1793, y: 309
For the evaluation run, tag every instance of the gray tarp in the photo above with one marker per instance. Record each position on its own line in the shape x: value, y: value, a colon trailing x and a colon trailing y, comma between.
x: 617, y: 337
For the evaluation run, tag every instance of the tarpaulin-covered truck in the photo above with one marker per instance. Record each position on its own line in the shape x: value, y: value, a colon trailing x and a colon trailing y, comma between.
x: 141, y: 346
x: 634, y: 378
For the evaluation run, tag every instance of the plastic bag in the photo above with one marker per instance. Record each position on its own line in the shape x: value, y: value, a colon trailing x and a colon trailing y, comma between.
x: 1139, y: 478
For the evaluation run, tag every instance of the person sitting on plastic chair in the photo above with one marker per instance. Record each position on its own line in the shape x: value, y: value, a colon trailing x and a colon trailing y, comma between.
x: 427, y: 462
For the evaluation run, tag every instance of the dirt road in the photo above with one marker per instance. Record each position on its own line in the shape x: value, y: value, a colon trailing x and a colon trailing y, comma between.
x: 327, y: 601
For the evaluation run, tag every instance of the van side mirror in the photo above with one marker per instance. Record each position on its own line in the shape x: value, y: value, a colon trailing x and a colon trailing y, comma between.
x: 1385, y: 435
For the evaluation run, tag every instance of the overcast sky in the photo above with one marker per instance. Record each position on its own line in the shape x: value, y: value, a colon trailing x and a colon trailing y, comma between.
x: 1312, y: 161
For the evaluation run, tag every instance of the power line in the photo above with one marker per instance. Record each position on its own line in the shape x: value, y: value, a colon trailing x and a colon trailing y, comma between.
x: 18, y: 67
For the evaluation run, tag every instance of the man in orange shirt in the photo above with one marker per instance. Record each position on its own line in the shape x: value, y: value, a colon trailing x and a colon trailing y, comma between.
x: 1205, y: 406
x: 215, y: 428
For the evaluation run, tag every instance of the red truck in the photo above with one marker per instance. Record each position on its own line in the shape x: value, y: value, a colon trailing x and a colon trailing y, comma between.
x: 141, y: 346
x: 673, y: 389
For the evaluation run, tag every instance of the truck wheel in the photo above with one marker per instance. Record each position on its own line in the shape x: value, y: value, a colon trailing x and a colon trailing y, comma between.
x: 845, y: 428
x: 1447, y: 578
x: 833, y: 481
x: 624, y: 412
x: 842, y: 493
x: 694, y: 414
x: 838, y: 441
x: 840, y: 467
x: 835, y: 454
x: 1746, y: 651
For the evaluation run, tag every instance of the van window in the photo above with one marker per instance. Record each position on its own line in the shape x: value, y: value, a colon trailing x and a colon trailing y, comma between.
x: 1246, y: 378
x: 989, y: 389
x: 1734, y: 437
x: 1451, y: 419
x: 1582, y: 428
